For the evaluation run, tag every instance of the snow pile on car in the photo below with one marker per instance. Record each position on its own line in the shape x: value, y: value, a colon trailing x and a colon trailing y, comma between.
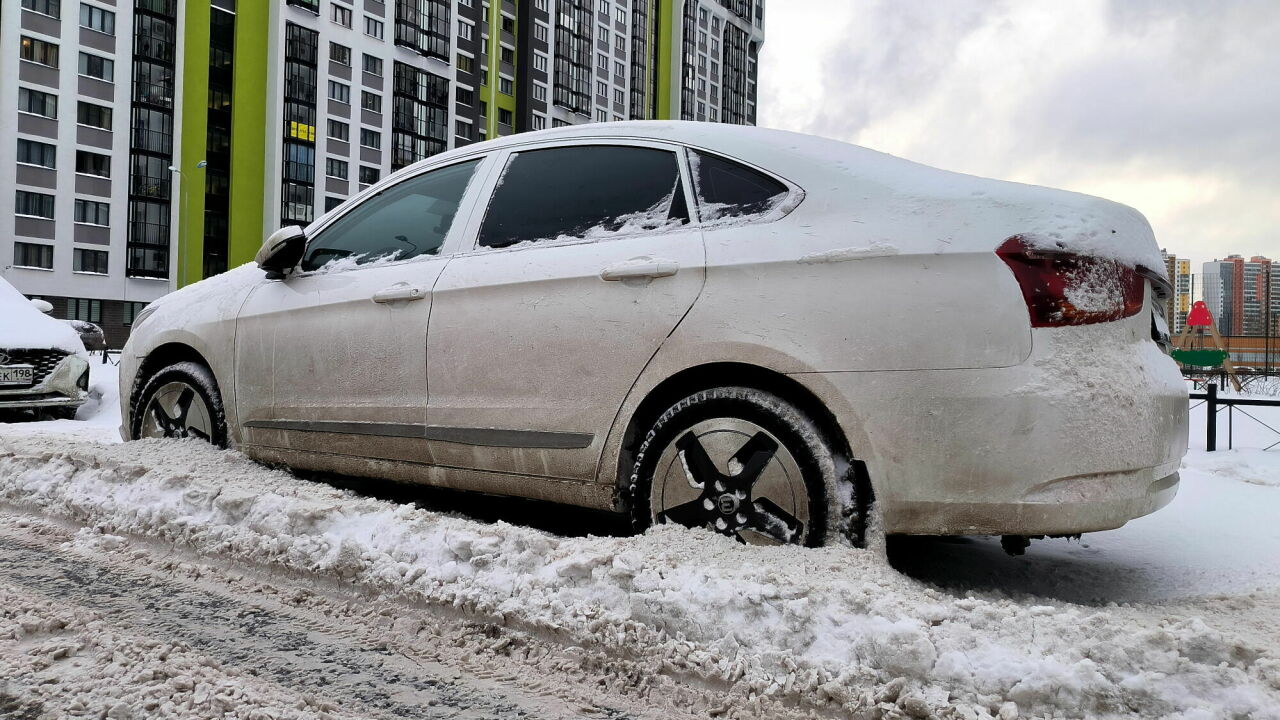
x: 828, y: 627
x: 26, y: 327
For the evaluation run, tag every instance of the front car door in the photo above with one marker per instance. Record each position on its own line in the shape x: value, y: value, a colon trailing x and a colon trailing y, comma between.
x: 332, y: 360
x: 584, y: 261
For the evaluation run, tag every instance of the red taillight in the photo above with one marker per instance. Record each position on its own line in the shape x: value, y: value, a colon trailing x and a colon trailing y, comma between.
x: 1063, y: 288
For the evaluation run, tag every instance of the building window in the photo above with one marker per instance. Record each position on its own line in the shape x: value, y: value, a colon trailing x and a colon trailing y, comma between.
x: 466, y: 63
x: 539, y: 62
x: 97, y: 67
x: 340, y: 54
x: 602, y: 116
x: 31, y: 152
x: 131, y: 310
x: 465, y: 96
x: 340, y: 92
x: 539, y: 122
x: 602, y: 89
x: 38, y: 103
x: 33, y: 255
x: 419, y: 115
x: 299, y: 162
x: 335, y: 168
x: 89, y: 261
x: 465, y: 30
x: 540, y: 32
x: 508, y: 24
x: 94, y: 18
x: 540, y: 92
x: 423, y: 26
x: 340, y: 14
x: 84, y: 310
x: 368, y: 175
x: 311, y: 5
x: 92, y: 212
x: 505, y: 86
x: 508, y: 55
x: 370, y: 138
x: 330, y: 203
x: 371, y: 101
x: 462, y: 129
x: 52, y: 8
x: 619, y: 97
x: 92, y: 115
x: 373, y: 27
x: 339, y: 130
x: 297, y: 202
x: 91, y: 163
x: 39, y: 51
x: 373, y: 65
x: 504, y: 116
x: 34, y: 204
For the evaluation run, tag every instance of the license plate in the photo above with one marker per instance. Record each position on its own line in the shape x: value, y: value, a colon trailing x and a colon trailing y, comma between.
x: 17, y: 375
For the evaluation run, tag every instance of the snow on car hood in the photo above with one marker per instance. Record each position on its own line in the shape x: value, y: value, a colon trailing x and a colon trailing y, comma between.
x: 23, y: 326
x: 220, y: 291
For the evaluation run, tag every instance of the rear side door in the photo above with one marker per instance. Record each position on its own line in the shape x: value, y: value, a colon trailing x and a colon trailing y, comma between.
x: 583, y: 263
x: 332, y: 360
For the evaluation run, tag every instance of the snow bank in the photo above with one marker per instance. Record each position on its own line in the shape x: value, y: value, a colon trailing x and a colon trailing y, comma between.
x: 832, y: 627
x: 25, y: 327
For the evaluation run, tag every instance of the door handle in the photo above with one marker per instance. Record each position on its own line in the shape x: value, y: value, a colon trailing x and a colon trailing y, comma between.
x: 640, y: 268
x: 398, y: 292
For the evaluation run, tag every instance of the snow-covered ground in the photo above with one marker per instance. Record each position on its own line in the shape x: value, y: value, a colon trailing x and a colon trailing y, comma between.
x: 1175, y: 615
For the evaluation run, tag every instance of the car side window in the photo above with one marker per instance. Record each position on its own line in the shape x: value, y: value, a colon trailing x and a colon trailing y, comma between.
x: 584, y: 192
x: 405, y: 220
x: 728, y: 189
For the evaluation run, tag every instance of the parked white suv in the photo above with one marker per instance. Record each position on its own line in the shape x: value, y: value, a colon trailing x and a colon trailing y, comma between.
x: 720, y: 326
x: 44, y: 368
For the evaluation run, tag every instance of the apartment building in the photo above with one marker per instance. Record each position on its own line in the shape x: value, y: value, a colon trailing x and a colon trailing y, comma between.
x: 1242, y: 295
x: 158, y: 142
x: 66, y: 118
x: 1177, y: 306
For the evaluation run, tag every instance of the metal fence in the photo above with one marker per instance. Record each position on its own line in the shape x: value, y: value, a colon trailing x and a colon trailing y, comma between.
x: 1215, y: 405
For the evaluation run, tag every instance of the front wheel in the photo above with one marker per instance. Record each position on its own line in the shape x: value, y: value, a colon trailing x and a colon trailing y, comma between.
x: 739, y: 461
x: 180, y: 401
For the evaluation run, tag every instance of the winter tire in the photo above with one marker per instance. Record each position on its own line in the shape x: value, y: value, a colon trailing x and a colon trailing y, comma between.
x: 739, y: 461
x: 180, y: 401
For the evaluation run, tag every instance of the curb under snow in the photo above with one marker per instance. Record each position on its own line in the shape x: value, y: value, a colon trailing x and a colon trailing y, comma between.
x: 833, y: 627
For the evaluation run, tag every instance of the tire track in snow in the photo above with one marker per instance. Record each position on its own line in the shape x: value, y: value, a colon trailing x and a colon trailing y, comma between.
x: 293, y: 651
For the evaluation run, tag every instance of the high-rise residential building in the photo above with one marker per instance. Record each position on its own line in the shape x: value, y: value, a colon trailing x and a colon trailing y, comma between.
x: 163, y: 153
x: 1177, y: 306
x: 68, y: 176
x: 1240, y: 294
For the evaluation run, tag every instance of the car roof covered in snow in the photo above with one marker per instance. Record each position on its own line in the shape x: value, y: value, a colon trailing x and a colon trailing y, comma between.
x: 910, y: 202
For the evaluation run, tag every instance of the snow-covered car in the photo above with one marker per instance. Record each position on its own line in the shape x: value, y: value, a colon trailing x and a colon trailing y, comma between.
x: 43, y: 365
x: 91, y: 335
x: 730, y: 327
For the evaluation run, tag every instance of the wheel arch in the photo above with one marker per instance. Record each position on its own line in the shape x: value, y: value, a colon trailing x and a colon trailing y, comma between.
x: 722, y: 374
x: 163, y: 356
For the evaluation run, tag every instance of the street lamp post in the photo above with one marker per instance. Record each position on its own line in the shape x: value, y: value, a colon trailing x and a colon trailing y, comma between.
x: 182, y: 230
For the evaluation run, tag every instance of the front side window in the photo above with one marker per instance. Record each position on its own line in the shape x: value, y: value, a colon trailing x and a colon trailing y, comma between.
x: 408, y: 219
x: 589, y: 191
x: 728, y: 189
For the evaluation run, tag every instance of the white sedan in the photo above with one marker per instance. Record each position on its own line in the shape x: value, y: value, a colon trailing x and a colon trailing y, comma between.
x: 727, y: 327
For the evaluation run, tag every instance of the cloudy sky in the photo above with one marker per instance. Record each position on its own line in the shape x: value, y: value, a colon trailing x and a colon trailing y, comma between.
x: 1171, y: 106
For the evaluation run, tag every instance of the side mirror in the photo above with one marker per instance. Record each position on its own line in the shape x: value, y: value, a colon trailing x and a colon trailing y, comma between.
x: 43, y: 306
x: 282, y: 251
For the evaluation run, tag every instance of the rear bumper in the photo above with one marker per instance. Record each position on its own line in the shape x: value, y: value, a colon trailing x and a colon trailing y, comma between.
x: 1077, y: 439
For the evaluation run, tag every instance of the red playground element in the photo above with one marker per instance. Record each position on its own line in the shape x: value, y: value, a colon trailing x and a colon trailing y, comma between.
x: 1199, y: 315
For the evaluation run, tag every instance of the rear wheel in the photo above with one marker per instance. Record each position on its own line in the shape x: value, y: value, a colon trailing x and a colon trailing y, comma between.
x: 739, y: 461
x: 180, y: 401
